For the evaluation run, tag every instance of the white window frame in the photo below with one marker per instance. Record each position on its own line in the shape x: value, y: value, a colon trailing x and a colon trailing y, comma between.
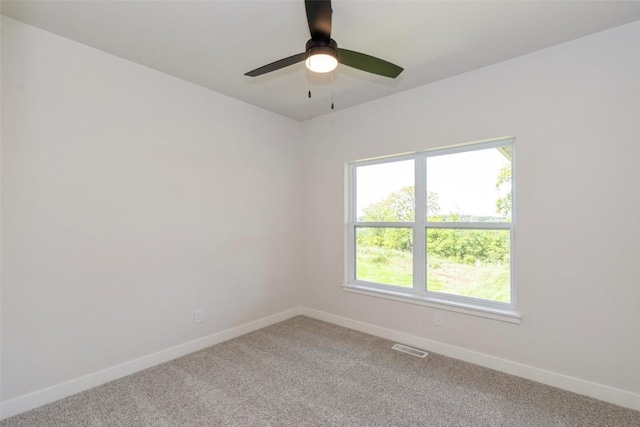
x: 418, y: 294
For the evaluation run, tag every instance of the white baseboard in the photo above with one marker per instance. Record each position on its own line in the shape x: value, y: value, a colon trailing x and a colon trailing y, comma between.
x: 565, y: 382
x: 598, y: 391
x: 38, y: 398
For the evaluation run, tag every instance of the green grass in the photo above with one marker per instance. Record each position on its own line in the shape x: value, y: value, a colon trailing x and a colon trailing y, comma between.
x: 393, y: 267
x: 388, y: 266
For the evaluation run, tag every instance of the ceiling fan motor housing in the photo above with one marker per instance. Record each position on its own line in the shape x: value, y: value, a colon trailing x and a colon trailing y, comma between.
x: 316, y: 47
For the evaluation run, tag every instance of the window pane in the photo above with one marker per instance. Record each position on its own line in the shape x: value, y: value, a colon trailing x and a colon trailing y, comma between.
x: 474, y: 186
x: 470, y: 263
x: 384, y: 255
x: 385, y: 192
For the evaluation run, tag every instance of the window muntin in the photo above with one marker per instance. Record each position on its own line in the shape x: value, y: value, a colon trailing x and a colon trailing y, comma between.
x: 439, y: 230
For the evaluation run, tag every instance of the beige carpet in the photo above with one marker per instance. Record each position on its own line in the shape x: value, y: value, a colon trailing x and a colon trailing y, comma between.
x: 304, y: 372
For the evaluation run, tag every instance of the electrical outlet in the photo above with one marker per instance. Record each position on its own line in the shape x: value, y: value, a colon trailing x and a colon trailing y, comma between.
x: 198, y: 315
x: 439, y: 318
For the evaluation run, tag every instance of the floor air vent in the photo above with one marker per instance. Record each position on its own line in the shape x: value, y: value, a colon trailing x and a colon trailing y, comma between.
x: 414, y: 351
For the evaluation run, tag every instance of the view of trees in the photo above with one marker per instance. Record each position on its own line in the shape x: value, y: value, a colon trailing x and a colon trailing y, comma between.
x: 460, y: 261
x: 464, y: 246
x: 399, y: 206
x: 503, y: 204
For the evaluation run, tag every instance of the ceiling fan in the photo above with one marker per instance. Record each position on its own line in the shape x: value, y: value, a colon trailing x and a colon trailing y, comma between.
x: 322, y: 53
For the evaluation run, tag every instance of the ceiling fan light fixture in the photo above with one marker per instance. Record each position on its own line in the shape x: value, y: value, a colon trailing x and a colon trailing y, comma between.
x: 321, y: 56
x: 321, y: 63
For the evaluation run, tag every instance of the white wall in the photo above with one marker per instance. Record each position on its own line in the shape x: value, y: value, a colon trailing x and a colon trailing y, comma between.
x: 130, y: 198
x: 575, y: 111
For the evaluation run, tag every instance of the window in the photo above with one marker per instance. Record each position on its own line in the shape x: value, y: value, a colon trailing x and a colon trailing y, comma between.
x: 435, y: 228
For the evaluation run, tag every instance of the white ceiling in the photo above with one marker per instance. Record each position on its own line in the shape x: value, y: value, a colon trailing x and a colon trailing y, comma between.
x: 213, y: 43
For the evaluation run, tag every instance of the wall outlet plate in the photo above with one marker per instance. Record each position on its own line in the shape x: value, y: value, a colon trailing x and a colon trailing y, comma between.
x: 198, y: 316
x: 439, y: 318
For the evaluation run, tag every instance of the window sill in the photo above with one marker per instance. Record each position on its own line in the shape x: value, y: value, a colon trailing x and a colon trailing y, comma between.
x: 458, y: 307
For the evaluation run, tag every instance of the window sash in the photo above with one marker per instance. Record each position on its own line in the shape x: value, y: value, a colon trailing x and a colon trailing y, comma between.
x: 420, y: 225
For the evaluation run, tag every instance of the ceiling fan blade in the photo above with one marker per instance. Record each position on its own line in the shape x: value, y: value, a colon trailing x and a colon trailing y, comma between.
x: 276, y: 65
x: 368, y: 63
x: 319, y: 18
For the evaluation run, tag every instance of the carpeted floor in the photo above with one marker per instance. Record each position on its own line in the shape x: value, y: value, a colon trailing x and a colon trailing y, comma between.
x: 304, y: 372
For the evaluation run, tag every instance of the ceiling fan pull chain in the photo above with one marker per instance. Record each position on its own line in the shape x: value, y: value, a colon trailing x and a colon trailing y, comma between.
x: 309, y: 85
x: 332, y: 91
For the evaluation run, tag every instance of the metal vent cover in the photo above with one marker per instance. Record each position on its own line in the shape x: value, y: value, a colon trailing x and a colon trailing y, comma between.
x: 410, y: 350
